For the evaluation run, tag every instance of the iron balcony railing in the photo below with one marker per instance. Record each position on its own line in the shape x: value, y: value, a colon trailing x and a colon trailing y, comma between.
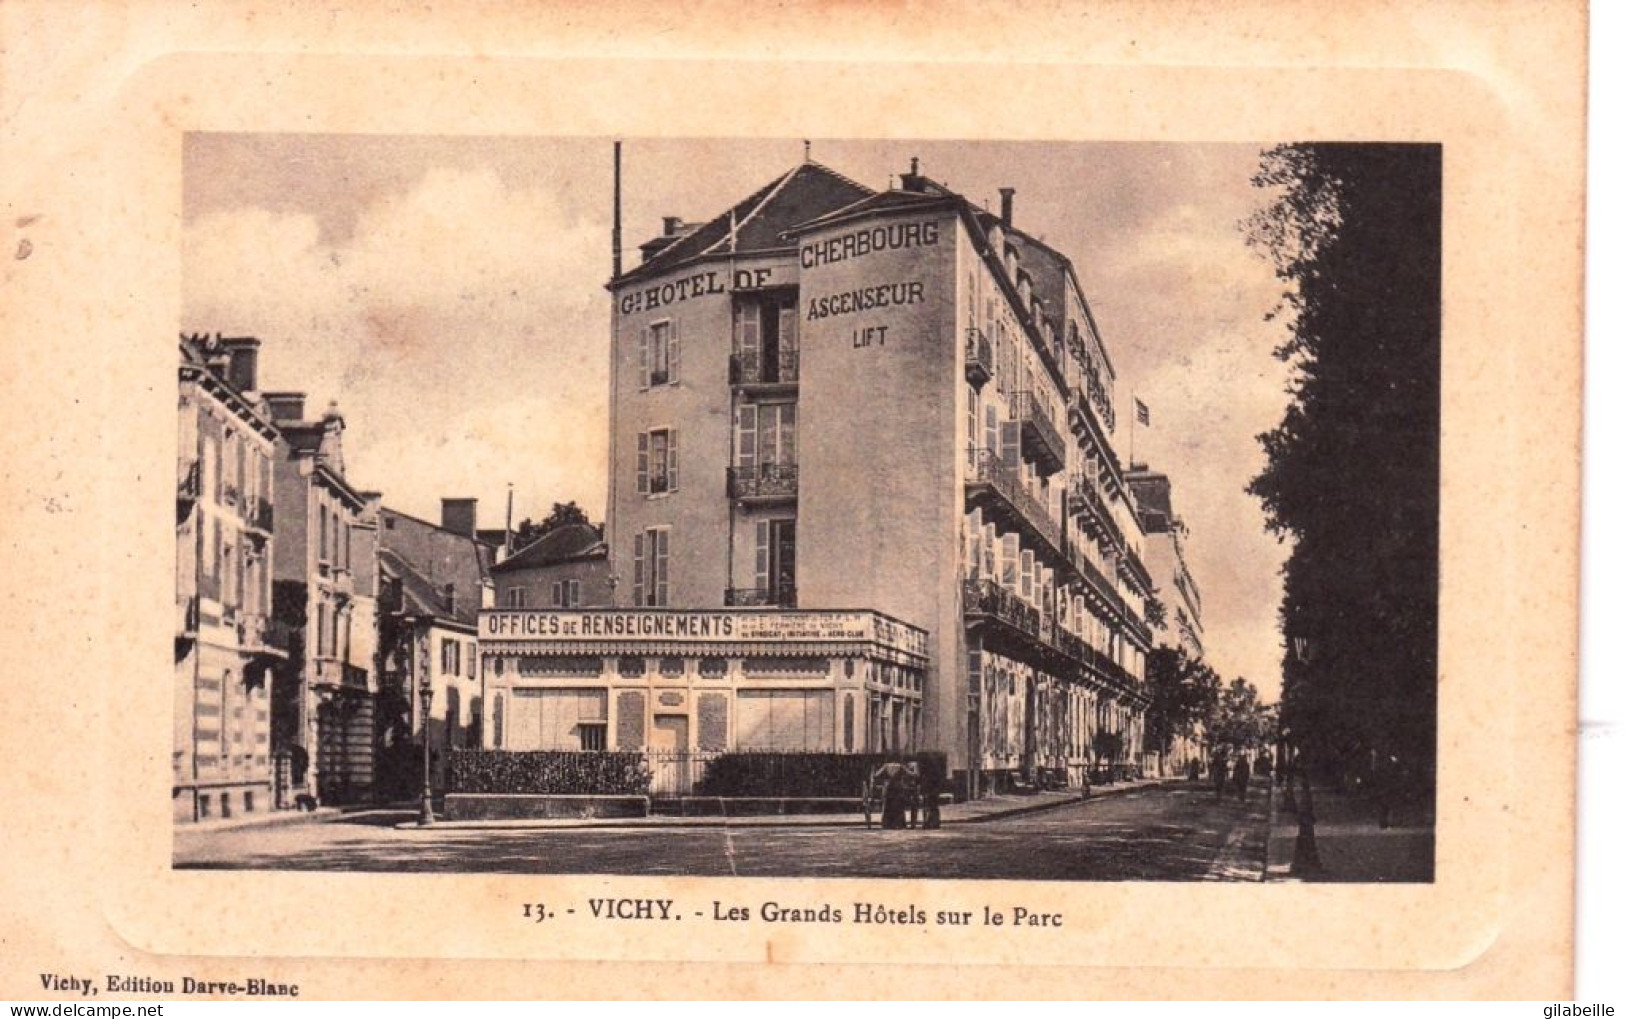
x: 984, y: 470
x: 978, y: 357
x: 1088, y: 503
x: 987, y: 597
x: 780, y: 596
x: 1099, y: 584
x: 763, y: 482
x: 1039, y: 436
x: 747, y: 369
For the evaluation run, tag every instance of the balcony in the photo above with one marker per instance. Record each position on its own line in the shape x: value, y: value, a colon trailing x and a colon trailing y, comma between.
x: 1089, y: 505
x: 988, y: 599
x: 978, y: 358
x: 188, y: 484
x: 343, y: 582
x: 258, y: 516
x: 998, y: 488
x: 261, y: 635
x: 763, y: 483
x: 1040, y: 439
x: 753, y: 371
x: 353, y: 676
x: 1100, y: 588
x: 783, y: 597
x: 326, y: 671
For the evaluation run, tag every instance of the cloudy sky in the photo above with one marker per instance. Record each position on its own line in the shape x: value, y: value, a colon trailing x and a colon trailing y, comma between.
x: 448, y: 293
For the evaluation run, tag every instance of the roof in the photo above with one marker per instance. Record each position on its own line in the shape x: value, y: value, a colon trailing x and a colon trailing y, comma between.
x: 562, y: 544
x: 425, y: 559
x: 759, y: 222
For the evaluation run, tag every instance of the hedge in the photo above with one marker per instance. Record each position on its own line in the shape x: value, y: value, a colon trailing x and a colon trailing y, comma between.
x: 601, y: 773
x: 806, y: 774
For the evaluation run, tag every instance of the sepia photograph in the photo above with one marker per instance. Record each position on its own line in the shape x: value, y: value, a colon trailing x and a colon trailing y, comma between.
x: 752, y: 507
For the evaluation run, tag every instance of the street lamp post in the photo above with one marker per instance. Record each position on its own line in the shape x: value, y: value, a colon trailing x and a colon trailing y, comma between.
x: 426, y: 699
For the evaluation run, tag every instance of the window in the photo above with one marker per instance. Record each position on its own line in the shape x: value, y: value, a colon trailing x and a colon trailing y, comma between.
x: 518, y: 597
x: 566, y: 593
x: 766, y: 434
x: 594, y: 735
x: 658, y: 354
x: 776, y: 561
x: 650, y: 556
x: 766, y: 347
x: 657, y: 461
x: 450, y: 656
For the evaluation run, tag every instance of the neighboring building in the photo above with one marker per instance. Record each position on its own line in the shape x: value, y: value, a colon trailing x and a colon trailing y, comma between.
x: 325, y: 589
x: 1176, y: 589
x: 566, y: 568
x: 225, y: 642
x: 1165, y: 559
x: 863, y: 497
x: 434, y: 581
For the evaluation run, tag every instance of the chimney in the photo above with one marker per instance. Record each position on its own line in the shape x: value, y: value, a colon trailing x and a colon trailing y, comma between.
x: 286, y: 406
x: 911, y: 181
x: 670, y: 225
x: 242, y: 364
x: 458, y: 516
x: 1007, y: 205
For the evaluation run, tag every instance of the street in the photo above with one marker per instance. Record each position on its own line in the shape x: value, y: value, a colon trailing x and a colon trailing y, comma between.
x: 1169, y: 833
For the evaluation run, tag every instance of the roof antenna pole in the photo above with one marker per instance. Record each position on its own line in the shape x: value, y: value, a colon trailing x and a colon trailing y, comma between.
x: 615, y: 238
x: 806, y: 150
x: 507, y: 532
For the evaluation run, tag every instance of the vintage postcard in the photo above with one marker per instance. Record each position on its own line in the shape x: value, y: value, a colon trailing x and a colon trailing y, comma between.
x: 1088, y: 511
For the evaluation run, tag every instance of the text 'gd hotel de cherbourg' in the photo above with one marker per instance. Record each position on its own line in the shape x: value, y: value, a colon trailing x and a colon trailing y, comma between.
x: 867, y: 497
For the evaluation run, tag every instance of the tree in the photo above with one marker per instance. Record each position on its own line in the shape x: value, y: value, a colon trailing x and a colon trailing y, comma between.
x: 1184, y: 691
x: 1352, y: 471
x: 1239, y: 721
x: 562, y: 515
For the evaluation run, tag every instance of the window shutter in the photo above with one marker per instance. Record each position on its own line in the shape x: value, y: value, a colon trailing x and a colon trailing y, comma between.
x: 558, y: 594
x: 643, y: 358
x: 672, y: 357
x: 637, y: 569
x: 671, y: 460
x: 573, y: 593
x: 747, y: 436
x: 787, y: 436
x: 1010, y: 443
x: 990, y: 437
x: 661, y: 556
x: 763, y: 553
x: 643, y: 463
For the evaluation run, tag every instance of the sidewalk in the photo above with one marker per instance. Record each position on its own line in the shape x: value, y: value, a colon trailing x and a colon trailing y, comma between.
x: 989, y: 808
x: 1351, y: 845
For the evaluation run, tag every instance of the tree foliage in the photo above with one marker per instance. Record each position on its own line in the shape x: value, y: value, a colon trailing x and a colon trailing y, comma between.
x: 1352, y: 470
x: 562, y: 515
x: 1184, y: 692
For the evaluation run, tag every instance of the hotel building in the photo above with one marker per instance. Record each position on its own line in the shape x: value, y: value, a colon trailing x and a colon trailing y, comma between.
x: 325, y: 591
x: 863, y: 497
x: 225, y: 641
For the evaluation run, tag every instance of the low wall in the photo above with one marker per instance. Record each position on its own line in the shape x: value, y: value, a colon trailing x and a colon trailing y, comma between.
x: 536, y: 806
x: 755, y: 806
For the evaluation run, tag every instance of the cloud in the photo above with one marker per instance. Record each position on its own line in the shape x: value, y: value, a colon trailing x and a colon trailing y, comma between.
x: 450, y: 318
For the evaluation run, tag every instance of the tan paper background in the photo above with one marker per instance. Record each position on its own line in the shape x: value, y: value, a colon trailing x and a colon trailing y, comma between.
x: 94, y: 100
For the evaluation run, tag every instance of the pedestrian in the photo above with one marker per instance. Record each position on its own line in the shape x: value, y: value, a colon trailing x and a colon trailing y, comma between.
x: 1242, y: 776
x: 891, y: 778
x: 1220, y: 770
x: 911, y: 785
x: 1194, y: 770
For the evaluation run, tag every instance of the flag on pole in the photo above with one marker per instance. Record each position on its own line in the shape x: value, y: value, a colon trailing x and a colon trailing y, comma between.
x: 1142, y: 413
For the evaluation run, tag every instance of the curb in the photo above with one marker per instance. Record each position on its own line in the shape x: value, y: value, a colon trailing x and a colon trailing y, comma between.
x: 761, y: 821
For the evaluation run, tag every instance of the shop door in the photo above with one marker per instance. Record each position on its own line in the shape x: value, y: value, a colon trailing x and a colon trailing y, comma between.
x: 668, y: 745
